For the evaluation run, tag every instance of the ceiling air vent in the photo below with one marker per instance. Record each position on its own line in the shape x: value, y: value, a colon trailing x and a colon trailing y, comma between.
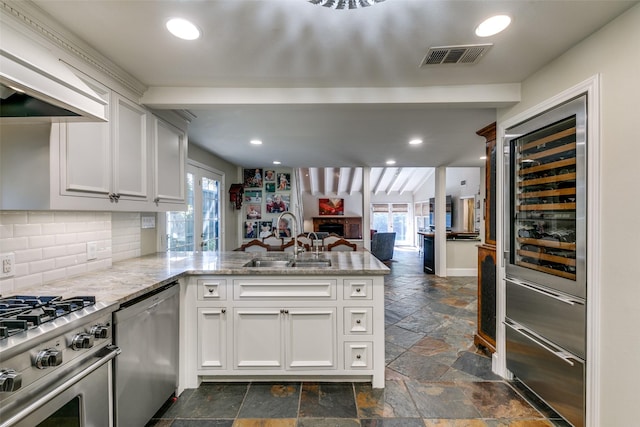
x: 463, y: 54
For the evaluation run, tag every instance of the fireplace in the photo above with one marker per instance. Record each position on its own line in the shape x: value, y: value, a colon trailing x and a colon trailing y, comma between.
x: 330, y: 227
x: 348, y: 227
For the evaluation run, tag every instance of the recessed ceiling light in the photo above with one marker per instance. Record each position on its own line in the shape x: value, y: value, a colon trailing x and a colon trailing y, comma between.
x: 183, y: 29
x: 391, y: 162
x: 256, y: 142
x: 277, y: 162
x: 415, y: 141
x: 493, y: 25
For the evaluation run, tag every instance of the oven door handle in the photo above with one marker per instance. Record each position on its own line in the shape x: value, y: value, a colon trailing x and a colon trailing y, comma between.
x: 112, y: 352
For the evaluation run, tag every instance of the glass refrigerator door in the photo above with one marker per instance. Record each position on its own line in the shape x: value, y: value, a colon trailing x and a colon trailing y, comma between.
x: 544, y: 192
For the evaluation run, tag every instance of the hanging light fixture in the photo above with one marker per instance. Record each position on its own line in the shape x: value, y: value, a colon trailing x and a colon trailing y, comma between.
x: 345, y: 4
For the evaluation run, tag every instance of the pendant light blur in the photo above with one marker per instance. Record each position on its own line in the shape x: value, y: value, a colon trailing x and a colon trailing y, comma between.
x: 493, y: 25
x: 183, y: 29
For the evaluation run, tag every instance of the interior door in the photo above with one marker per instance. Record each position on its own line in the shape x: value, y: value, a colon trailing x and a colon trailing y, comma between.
x: 209, y: 199
x: 199, y: 227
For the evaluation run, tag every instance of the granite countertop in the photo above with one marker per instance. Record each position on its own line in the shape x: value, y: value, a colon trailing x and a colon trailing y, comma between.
x: 129, y: 279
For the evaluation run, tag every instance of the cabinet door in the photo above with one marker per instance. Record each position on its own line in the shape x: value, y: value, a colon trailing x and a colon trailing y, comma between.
x: 257, y: 338
x: 486, y: 335
x: 130, y: 146
x: 85, y: 154
x: 170, y: 145
x: 311, y: 338
x: 85, y: 159
x: 212, y: 338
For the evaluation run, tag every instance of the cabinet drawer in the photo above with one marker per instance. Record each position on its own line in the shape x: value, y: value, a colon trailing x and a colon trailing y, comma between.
x: 561, y: 319
x: 560, y: 383
x: 212, y: 289
x: 357, y: 320
x: 357, y: 355
x: 315, y: 289
x: 358, y: 288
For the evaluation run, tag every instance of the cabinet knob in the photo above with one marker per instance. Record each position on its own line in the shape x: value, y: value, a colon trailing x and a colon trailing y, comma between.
x: 156, y: 200
x: 358, y: 321
x: 283, y: 311
x: 358, y: 356
x: 358, y: 290
x: 82, y: 340
x: 223, y: 311
x: 47, y: 358
x: 211, y: 290
x: 99, y: 331
x: 10, y: 380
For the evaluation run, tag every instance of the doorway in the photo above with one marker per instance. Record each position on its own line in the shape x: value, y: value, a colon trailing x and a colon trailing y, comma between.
x: 199, y: 227
x: 393, y: 217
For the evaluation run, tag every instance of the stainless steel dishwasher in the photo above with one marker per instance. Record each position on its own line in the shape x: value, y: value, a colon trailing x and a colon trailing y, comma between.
x: 146, y: 330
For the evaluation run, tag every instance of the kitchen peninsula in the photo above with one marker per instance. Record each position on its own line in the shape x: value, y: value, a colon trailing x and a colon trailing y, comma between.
x: 461, y: 253
x: 240, y: 322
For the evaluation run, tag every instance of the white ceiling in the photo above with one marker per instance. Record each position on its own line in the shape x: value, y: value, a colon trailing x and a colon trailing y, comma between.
x: 332, y: 88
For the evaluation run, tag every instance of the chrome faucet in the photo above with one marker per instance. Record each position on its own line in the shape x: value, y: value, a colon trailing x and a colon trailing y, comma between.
x: 294, y: 231
x: 314, y: 241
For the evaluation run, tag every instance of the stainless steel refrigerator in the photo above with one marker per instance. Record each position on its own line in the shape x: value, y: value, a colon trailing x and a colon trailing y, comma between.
x: 546, y: 257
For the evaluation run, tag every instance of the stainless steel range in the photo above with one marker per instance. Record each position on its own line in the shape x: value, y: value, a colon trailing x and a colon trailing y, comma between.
x: 55, y: 361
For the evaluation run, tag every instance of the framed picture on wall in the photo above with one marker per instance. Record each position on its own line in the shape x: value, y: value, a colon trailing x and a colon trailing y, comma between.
x: 284, y: 181
x: 277, y: 203
x: 333, y: 206
x: 266, y: 228
x: 254, y: 196
x: 270, y: 187
x: 253, y: 178
x: 254, y: 211
x: 269, y: 175
x: 250, y: 229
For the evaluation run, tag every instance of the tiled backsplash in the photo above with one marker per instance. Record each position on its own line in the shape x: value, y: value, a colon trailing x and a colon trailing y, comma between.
x: 125, y: 235
x: 50, y: 246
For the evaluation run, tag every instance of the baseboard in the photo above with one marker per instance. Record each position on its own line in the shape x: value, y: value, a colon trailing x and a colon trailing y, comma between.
x: 458, y: 272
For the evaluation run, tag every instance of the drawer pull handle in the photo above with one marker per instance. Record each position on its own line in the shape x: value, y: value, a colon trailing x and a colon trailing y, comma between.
x: 566, y: 357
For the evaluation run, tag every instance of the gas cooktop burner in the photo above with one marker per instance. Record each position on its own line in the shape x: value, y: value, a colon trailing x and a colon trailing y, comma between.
x: 21, y: 312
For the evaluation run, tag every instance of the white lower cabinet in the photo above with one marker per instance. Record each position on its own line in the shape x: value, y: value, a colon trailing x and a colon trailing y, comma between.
x: 285, y: 338
x: 212, y: 338
x: 252, y: 328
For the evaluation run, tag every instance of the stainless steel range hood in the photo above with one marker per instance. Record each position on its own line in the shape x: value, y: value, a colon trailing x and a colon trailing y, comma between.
x: 36, y: 85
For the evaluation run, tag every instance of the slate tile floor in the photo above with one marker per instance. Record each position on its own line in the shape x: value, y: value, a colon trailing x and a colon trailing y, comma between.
x: 435, y: 377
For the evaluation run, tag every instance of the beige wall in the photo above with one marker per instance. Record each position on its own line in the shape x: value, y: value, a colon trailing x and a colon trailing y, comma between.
x: 614, y: 54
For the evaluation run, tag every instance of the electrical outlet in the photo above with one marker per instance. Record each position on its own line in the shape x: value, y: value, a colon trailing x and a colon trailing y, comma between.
x: 92, y: 250
x: 8, y: 265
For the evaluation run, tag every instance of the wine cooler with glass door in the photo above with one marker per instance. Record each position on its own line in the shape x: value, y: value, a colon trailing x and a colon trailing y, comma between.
x: 545, y: 267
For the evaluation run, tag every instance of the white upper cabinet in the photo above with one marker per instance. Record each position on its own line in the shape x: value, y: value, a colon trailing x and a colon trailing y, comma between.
x: 85, y: 164
x: 169, y: 159
x: 130, y: 150
x: 119, y: 165
x: 134, y: 162
x: 102, y: 166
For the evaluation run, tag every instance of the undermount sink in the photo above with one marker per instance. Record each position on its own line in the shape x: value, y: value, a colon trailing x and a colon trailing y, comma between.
x: 283, y: 263
x: 312, y: 263
x: 262, y: 262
